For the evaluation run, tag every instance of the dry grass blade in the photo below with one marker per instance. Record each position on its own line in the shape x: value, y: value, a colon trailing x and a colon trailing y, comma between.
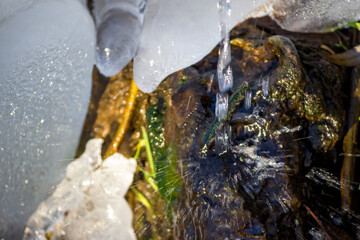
x: 125, y: 121
x: 349, y: 142
x: 327, y: 236
x: 349, y: 58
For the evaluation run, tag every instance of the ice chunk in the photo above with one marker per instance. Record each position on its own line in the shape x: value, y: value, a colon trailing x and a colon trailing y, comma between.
x: 179, y: 33
x: 314, y: 16
x: 265, y: 86
x: 47, y: 52
x: 248, y: 98
x: 119, y: 25
x: 221, y: 107
x: 308, y: 15
x: 89, y: 203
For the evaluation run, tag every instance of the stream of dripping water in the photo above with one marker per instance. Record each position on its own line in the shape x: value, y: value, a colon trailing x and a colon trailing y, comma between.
x: 224, y: 75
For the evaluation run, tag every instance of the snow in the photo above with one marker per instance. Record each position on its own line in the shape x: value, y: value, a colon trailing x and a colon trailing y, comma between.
x: 46, y: 59
x: 89, y: 203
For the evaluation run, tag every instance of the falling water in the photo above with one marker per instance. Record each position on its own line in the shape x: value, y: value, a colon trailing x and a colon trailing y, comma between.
x: 224, y: 75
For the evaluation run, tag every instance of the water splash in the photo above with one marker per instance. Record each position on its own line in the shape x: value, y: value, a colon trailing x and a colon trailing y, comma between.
x: 224, y: 75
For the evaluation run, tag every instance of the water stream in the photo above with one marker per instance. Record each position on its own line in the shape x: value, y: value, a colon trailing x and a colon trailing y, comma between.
x: 224, y: 75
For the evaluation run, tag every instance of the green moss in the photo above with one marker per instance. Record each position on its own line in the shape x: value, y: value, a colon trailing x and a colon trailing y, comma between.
x: 183, y: 79
x: 234, y: 101
x: 165, y: 158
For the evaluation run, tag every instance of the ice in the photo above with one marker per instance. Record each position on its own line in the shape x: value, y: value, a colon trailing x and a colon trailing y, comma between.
x: 11, y: 8
x: 119, y: 25
x: 248, y: 98
x: 89, y: 203
x: 314, y: 16
x: 179, y: 33
x: 222, y: 102
x: 224, y: 72
x: 310, y: 16
x: 47, y: 53
x: 265, y: 86
x: 224, y: 75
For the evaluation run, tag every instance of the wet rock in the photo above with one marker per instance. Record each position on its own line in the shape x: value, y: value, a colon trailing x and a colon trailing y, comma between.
x: 294, y: 115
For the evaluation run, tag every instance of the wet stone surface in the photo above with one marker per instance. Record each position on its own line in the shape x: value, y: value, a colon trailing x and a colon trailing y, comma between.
x: 286, y: 117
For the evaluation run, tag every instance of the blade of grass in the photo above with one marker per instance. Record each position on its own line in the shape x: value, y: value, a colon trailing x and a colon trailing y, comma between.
x: 148, y: 152
x: 149, y: 179
x: 152, y: 182
x: 138, y: 148
x: 347, y: 174
x: 141, y: 169
x: 142, y: 198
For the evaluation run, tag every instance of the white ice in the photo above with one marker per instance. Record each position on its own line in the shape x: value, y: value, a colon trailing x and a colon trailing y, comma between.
x: 89, y: 203
x: 179, y: 33
x: 47, y: 52
x: 314, y: 16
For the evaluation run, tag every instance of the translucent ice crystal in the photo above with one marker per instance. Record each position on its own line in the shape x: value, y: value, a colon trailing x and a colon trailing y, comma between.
x: 314, y: 16
x: 47, y: 54
x: 179, y: 33
x: 119, y: 25
x: 89, y: 203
